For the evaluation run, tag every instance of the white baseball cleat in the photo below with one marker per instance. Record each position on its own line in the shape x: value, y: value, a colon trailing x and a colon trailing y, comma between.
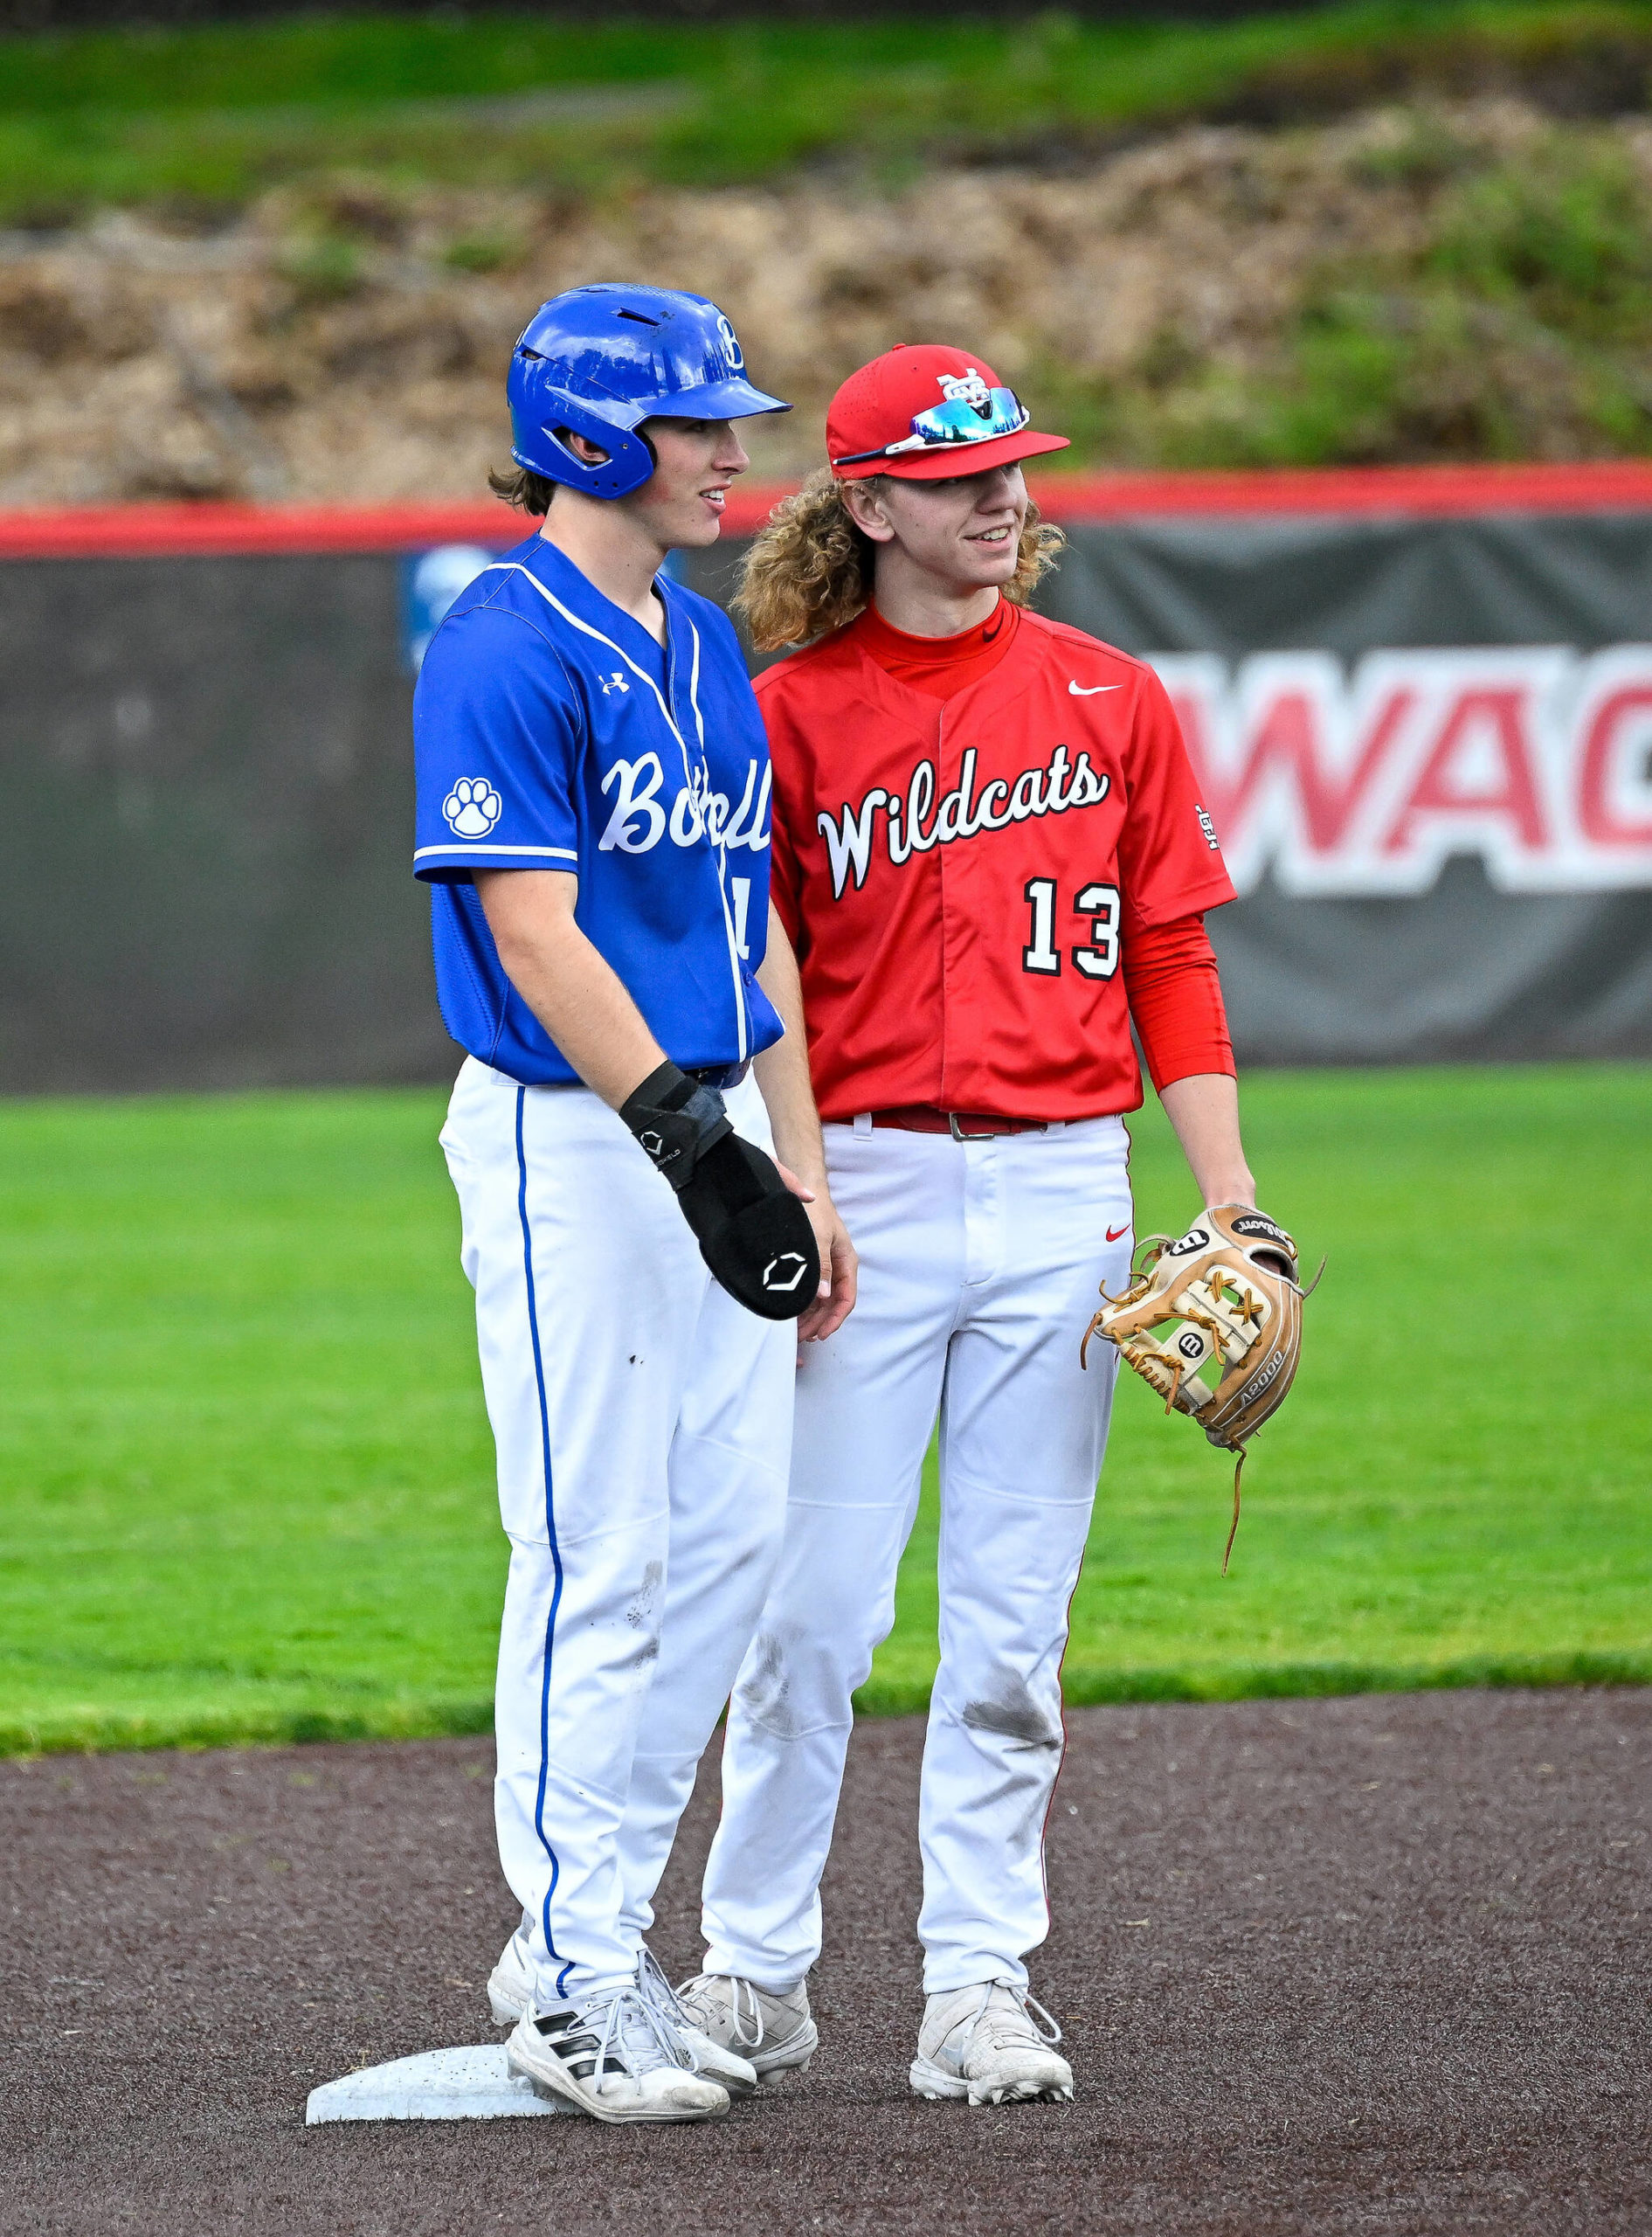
x: 614, y: 2058
x: 769, y: 2028
x: 984, y: 2043
x: 509, y: 1987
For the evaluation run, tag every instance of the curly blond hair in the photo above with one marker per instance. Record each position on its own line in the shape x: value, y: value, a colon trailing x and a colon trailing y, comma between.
x: 810, y: 570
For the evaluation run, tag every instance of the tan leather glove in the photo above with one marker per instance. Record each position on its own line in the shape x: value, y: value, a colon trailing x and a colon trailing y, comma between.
x: 1225, y: 1295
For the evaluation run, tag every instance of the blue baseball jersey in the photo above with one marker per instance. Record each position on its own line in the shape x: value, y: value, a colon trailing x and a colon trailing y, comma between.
x: 551, y: 732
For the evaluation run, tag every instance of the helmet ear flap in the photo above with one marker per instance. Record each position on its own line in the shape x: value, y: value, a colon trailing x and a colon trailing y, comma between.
x: 539, y: 411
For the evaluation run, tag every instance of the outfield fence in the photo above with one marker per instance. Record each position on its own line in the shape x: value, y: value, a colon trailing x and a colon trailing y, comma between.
x: 1419, y: 702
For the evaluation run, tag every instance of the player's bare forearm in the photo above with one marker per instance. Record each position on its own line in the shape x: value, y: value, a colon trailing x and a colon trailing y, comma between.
x: 571, y: 989
x: 783, y: 1077
x: 1204, y: 1110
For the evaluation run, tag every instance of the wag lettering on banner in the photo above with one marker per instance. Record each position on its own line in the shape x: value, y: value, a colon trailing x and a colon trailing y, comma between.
x: 1537, y: 759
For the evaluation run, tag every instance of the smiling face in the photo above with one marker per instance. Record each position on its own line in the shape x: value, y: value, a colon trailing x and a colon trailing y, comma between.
x: 962, y: 534
x: 682, y: 501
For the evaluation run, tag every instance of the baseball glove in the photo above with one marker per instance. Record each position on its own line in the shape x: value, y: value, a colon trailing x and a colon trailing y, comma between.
x: 1229, y: 1286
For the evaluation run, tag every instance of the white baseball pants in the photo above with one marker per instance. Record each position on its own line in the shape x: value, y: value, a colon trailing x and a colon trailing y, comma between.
x: 978, y: 1271
x: 643, y: 1424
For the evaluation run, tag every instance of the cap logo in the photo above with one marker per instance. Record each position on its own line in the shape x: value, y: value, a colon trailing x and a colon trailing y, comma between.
x: 967, y: 388
x: 734, y: 354
x: 971, y: 411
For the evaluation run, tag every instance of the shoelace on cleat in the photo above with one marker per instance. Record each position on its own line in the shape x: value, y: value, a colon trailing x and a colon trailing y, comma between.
x: 670, y: 2014
x: 622, y: 2029
x: 1003, y: 2029
x: 701, y: 2003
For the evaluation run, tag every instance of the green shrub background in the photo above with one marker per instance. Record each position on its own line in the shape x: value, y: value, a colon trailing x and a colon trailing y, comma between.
x: 1498, y: 305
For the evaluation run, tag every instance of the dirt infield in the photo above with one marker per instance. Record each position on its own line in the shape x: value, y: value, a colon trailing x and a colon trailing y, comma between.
x: 1376, y: 1966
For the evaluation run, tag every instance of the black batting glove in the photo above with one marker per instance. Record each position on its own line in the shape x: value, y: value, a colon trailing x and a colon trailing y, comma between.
x: 677, y: 1120
x: 753, y: 1233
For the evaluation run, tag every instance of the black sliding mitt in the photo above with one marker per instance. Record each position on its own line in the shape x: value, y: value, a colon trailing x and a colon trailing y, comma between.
x: 754, y: 1233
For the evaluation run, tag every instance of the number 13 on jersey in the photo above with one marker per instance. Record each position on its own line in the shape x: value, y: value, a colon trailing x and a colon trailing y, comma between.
x: 1096, y: 957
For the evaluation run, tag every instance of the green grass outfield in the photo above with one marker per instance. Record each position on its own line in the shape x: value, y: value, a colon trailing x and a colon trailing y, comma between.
x: 246, y: 1472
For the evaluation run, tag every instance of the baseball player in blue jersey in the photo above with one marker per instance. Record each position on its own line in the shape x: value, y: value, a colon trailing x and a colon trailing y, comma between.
x: 593, y: 794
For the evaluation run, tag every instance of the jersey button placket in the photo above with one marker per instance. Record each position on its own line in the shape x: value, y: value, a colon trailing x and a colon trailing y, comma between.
x: 950, y: 931
x: 686, y: 717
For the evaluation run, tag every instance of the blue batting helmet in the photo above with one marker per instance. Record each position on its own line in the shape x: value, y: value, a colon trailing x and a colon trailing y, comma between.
x: 600, y: 360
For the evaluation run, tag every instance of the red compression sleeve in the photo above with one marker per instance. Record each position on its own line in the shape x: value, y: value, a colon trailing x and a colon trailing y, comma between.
x: 1175, y: 1001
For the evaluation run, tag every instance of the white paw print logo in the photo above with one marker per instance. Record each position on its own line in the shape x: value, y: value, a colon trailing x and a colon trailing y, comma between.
x: 472, y: 807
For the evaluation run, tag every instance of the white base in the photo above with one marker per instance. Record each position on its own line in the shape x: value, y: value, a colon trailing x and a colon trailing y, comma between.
x: 471, y: 2082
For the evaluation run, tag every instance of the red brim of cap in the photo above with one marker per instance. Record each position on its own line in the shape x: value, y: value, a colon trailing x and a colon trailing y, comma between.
x: 944, y: 462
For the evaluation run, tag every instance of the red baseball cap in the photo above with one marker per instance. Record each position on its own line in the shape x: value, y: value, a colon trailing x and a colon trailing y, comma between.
x: 926, y: 412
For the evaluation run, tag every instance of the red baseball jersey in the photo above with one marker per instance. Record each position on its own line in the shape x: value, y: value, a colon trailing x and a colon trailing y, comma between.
x: 959, y: 877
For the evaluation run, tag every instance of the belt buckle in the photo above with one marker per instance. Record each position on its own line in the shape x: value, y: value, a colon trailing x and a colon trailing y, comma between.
x: 952, y: 1122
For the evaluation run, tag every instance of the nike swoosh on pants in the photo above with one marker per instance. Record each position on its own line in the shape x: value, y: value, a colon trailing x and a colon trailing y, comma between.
x: 1113, y: 1233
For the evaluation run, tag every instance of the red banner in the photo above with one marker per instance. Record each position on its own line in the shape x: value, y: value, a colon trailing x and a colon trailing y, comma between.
x: 1534, y: 759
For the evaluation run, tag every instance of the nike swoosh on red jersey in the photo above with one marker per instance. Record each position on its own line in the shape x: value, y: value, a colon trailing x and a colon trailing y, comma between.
x: 1089, y: 691
x: 1113, y: 1233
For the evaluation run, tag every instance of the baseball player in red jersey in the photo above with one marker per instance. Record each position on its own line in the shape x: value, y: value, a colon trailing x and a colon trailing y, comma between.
x: 990, y: 855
